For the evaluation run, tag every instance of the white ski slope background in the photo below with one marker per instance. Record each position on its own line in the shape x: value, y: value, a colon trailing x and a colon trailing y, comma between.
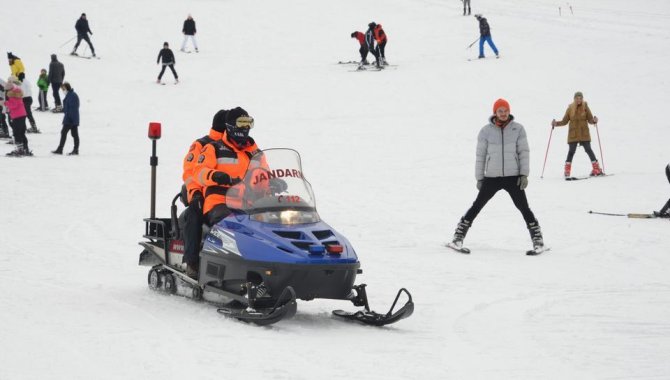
x: 391, y: 158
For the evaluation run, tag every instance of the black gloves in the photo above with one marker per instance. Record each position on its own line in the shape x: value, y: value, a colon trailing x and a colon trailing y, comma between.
x: 278, y: 185
x: 224, y: 179
x: 196, y: 200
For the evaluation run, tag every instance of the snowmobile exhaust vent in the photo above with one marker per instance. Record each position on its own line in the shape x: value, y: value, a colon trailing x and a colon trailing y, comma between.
x: 323, y: 234
x: 297, y: 235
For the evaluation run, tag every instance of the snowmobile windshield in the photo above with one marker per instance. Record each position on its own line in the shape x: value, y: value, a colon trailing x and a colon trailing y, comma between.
x: 274, y: 189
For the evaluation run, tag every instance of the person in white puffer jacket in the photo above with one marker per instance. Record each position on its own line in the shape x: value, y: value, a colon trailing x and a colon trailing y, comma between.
x: 502, y: 164
x: 28, y: 103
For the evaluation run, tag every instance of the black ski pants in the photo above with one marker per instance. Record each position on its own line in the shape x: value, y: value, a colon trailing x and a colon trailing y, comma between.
x: 85, y: 38
x: 587, y: 149
x: 19, y: 131
x: 364, y: 52
x: 28, y: 105
x: 192, y: 233
x: 74, y: 129
x: 381, y: 48
x: 490, y: 186
x: 171, y: 65
x: 55, y: 87
x: 466, y: 3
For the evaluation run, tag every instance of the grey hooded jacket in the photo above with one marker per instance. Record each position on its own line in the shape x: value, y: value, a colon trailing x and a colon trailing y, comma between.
x: 502, y: 152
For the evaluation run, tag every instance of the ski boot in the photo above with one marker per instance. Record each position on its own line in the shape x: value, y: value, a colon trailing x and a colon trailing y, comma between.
x: 596, y: 169
x: 57, y: 151
x: 459, y: 235
x: 566, y: 169
x: 18, y: 152
x: 75, y: 152
x: 384, y: 61
x: 364, y: 62
x: 536, y: 237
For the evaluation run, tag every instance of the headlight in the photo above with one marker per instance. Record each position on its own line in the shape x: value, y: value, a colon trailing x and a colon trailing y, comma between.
x: 286, y: 217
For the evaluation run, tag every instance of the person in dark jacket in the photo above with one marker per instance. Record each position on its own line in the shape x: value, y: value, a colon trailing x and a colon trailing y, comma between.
x: 167, y: 56
x: 70, y: 120
x: 56, y: 77
x: 502, y: 163
x: 485, y: 36
x: 466, y: 4
x: 4, y: 128
x: 364, y: 47
x: 370, y: 42
x: 82, y: 34
x: 189, y: 33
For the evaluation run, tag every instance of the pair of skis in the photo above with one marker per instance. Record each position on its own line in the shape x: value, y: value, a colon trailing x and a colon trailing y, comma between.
x: 464, y: 250
x: 587, y: 177
x: 652, y: 215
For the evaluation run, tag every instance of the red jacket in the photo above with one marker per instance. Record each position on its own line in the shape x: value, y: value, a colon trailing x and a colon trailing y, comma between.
x: 380, y: 36
x: 360, y: 37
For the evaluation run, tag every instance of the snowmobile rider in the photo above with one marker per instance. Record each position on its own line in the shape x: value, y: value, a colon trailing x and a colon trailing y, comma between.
x: 579, y: 116
x: 223, y: 163
x: 194, y: 193
x: 502, y: 163
x: 364, y: 47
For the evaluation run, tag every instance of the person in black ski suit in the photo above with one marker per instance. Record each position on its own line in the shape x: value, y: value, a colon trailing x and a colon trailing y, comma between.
x: 466, y: 4
x: 82, y: 34
x: 485, y: 36
x: 370, y: 42
x: 503, y: 159
x: 55, y: 78
x: 70, y: 120
x: 167, y: 56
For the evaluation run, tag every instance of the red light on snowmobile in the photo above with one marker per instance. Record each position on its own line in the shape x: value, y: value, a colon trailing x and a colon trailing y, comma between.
x: 334, y: 249
x: 154, y: 130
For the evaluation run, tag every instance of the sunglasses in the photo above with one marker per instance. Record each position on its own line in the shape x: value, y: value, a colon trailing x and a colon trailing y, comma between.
x: 243, y: 122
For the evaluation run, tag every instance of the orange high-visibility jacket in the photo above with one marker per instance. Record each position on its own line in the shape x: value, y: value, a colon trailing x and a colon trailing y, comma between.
x: 223, y: 156
x: 380, y: 36
x: 192, y: 186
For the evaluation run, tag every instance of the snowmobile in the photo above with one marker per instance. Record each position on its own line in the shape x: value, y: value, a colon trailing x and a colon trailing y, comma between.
x: 270, y: 251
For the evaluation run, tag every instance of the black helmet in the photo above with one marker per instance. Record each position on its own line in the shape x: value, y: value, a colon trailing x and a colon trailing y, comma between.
x: 372, y: 25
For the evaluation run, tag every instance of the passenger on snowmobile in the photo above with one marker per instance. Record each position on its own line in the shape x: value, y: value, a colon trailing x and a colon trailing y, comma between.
x: 193, y: 218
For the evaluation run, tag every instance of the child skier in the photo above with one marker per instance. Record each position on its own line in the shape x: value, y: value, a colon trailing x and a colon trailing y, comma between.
x: 43, y: 85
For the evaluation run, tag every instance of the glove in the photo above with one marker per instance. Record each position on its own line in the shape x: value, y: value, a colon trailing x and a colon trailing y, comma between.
x: 479, y: 184
x: 553, y: 123
x: 278, y: 185
x: 222, y: 178
x: 522, y: 182
x: 595, y: 120
x: 196, y: 201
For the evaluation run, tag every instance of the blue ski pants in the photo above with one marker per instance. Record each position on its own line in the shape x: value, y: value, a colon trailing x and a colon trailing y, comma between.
x: 491, y: 44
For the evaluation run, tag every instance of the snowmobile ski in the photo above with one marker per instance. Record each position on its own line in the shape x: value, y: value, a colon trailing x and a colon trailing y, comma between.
x: 539, y: 251
x: 369, y: 317
x: 457, y: 248
x: 285, y: 307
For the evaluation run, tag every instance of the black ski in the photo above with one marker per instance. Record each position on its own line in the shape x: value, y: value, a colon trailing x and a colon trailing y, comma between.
x: 586, y: 177
x: 483, y: 58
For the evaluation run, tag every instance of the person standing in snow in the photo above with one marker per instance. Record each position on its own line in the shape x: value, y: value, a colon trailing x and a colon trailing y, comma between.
x: 15, y: 64
x: 82, y: 34
x: 43, y: 85
x: 70, y: 120
x: 485, y: 36
x: 381, y: 39
x: 56, y: 77
x: 370, y: 42
x: 193, y: 216
x: 189, y: 33
x: 364, y: 47
x: 167, y: 56
x: 28, y: 103
x: 579, y: 116
x: 502, y: 164
x: 17, y: 114
x: 466, y: 3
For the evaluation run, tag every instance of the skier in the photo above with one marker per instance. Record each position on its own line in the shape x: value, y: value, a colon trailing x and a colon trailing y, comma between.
x: 4, y: 129
x: 82, y: 34
x: 502, y: 164
x: 28, y: 103
x: 193, y: 216
x: 15, y: 64
x: 485, y: 36
x: 56, y: 77
x: 466, y: 3
x: 43, y: 85
x: 579, y: 115
x: 167, y: 56
x: 17, y: 114
x: 189, y: 33
x: 381, y: 39
x: 70, y: 120
x: 364, y: 47
x: 370, y: 42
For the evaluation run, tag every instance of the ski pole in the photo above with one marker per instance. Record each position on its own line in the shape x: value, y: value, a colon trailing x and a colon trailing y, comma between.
x: 547, y: 152
x: 473, y: 42
x: 67, y: 42
x: 602, y: 158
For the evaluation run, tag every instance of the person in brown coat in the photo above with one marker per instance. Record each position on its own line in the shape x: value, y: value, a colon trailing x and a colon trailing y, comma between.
x: 579, y: 116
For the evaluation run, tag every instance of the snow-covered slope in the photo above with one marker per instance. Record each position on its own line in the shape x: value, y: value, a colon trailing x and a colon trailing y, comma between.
x: 390, y: 155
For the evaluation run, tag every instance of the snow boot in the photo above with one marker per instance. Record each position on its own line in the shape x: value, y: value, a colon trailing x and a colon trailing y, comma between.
x: 461, y: 230
x: 536, y: 235
x: 57, y: 151
x: 75, y: 152
x: 596, y: 169
x: 566, y: 170
x: 18, y: 152
x: 192, y: 271
x: 365, y: 62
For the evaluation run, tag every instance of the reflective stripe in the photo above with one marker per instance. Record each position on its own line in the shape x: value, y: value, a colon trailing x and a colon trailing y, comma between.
x: 201, y: 176
x: 188, y: 181
x: 227, y: 160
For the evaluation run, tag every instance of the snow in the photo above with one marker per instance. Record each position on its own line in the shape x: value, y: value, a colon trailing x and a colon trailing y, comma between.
x: 390, y: 156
